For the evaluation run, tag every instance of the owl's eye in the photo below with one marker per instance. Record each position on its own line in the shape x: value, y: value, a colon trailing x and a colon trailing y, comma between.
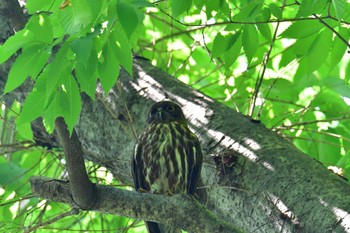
x: 170, y: 108
x: 151, y: 114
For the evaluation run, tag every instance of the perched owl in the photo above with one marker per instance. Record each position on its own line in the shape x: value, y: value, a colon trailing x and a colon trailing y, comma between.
x: 167, y: 157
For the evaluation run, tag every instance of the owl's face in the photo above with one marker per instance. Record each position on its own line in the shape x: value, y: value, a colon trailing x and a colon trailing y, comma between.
x: 165, y: 112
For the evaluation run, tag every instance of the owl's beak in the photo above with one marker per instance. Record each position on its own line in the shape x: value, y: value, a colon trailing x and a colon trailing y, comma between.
x: 160, y: 115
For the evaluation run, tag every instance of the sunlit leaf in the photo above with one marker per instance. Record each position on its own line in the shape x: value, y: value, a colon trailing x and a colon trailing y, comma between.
x: 342, y: 8
x: 70, y: 100
x: 232, y: 54
x: 180, y: 6
x: 223, y: 43
x: 34, y: 6
x: 319, y: 50
x: 127, y: 16
x: 14, y: 43
x: 302, y: 29
x: 250, y: 41
x: 28, y: 64
x: 86, y: 74
x: 309, y: 7
x: 121, y: 47
x: 9, y: 175
x: 41, y: 27
x: 34, y: 107
x: 339, y: 46
x: 76, y: 16
x: 265, y: 30
x: 249, y: 11
x: 302, y: 46
x: 275, y: 10
x: 108, y: 69
x: 45, y: 88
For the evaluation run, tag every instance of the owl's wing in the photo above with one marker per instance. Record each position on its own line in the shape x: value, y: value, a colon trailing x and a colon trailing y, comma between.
x: 137, y: 168
x: 195, y: 157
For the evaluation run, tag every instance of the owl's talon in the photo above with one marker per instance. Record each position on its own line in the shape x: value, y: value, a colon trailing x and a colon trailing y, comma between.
x: 141, y: 190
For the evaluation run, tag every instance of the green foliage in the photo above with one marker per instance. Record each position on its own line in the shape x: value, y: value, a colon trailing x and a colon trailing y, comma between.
x: 297, y: 51
x: 250, y: 40
x: 89, y: 39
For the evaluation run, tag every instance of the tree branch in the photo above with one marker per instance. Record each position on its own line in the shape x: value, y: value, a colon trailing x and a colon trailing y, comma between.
x: 179, y: 210
x: 82, y: 188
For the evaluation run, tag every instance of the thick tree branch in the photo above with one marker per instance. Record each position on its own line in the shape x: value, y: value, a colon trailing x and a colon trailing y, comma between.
x: 82, y: 188
x: 12, y: 11
x: 179, y: 210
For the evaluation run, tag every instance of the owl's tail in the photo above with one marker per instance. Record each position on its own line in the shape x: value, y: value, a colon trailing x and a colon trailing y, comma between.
x: 153, y: 227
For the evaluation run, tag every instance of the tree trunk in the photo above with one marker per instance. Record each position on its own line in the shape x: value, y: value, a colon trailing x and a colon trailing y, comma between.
x: 251, y: 177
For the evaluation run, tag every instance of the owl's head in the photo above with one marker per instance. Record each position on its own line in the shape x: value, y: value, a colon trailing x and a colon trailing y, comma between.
x: 165, y: 112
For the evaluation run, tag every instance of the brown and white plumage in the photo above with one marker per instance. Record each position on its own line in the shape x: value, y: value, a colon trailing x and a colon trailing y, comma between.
x: 167, y: 157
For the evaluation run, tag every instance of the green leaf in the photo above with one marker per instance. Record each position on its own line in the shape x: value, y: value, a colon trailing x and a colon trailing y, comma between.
x: 66, y: 103
x: 309, y: 7
x: 127, y: 17
x: 41, y: 27
x: 319, y: 50
x: 122, y: 49
x: 33, y: 107
x: 53, y: 73
x: 341, y: 8
x: 287, y: 57
x: 223, y: 43
x: 302, y: 46
x: 46, y: 86
x: 82, y: 47
x: 142, y: 3
x: 215, y: 8
x: 97, y: 8
x: 14, y: 43
x: 337, y: 85
x: 86, y: 74
x: 29, y: 63
x: 53, y: 111
x: 302, y: 29
x: 109, y: 68
x: 232, y: 54
x: 10, y: 174
x: 250, y: 41
x: 34, y: 6
x: 339, y: 47
x: 76, y: 16
x: 330, y: 100
x: 275, y: 10
x: 24, y: 131
x: 265, y: 14
x: 86, y: 64
x: 180, y: 6
x: 70, y: 100
x: 265, y: 30
x: 249, y: 11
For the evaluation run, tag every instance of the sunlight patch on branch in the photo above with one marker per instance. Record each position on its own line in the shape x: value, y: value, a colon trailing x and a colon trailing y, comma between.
x: 343, y: 218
